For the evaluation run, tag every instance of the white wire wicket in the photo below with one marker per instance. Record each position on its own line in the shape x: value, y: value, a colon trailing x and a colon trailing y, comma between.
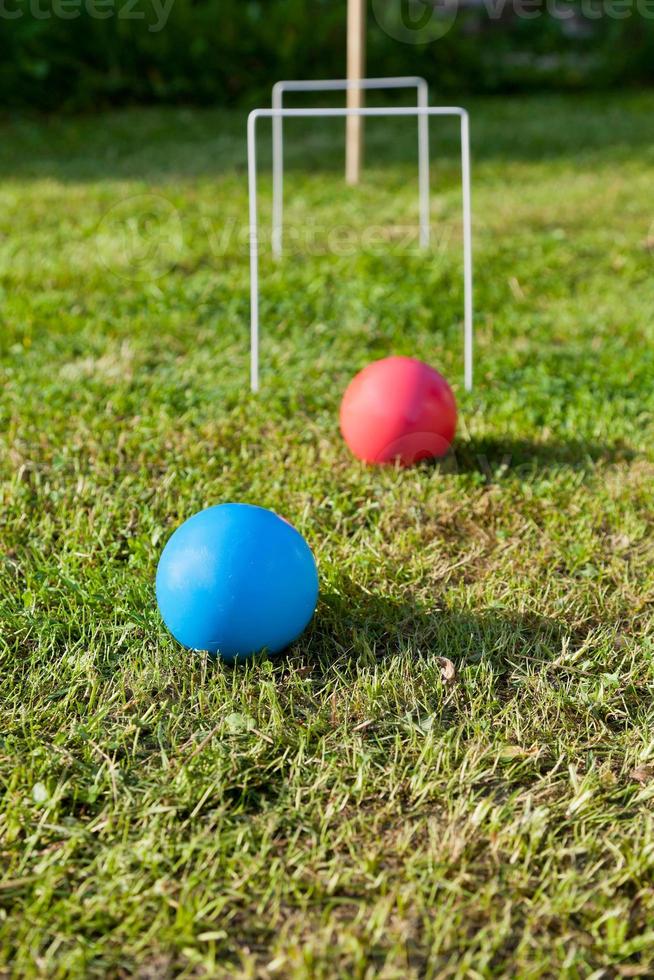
x: 344, y: 85
x: 457, y: 111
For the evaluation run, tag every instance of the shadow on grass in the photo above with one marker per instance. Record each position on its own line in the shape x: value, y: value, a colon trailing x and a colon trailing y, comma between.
x: 165, y: 144
x: 495, y: 458
x: 352, y: 624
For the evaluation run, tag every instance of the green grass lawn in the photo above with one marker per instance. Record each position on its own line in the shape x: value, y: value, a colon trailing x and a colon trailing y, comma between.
x: 343, y: 810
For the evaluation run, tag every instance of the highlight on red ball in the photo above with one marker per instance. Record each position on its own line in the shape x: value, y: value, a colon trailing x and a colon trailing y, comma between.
x: 398, y: 409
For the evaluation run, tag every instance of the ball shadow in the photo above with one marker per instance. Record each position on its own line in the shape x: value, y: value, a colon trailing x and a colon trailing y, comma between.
x: 495, y: 458
x: 352, y: 624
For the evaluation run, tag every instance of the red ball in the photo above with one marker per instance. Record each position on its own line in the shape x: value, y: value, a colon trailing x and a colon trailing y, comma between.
x: 398, y: 409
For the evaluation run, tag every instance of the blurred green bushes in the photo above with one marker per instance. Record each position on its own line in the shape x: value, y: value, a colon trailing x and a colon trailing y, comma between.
x: 77, y: 54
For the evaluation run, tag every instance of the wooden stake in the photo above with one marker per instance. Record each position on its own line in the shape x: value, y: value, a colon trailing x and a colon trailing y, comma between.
x: 356, y: 63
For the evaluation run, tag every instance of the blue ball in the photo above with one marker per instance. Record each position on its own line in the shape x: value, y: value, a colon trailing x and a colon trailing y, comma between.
x: 236, y: 579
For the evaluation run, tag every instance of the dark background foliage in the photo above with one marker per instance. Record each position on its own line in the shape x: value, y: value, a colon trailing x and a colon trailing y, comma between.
x: 57, y: 54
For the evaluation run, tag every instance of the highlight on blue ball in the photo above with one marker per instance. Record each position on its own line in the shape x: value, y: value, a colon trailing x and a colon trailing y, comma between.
x: 236, y: 579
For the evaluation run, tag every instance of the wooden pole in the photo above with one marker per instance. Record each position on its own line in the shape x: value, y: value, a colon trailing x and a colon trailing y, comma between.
x: 356, y: 66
